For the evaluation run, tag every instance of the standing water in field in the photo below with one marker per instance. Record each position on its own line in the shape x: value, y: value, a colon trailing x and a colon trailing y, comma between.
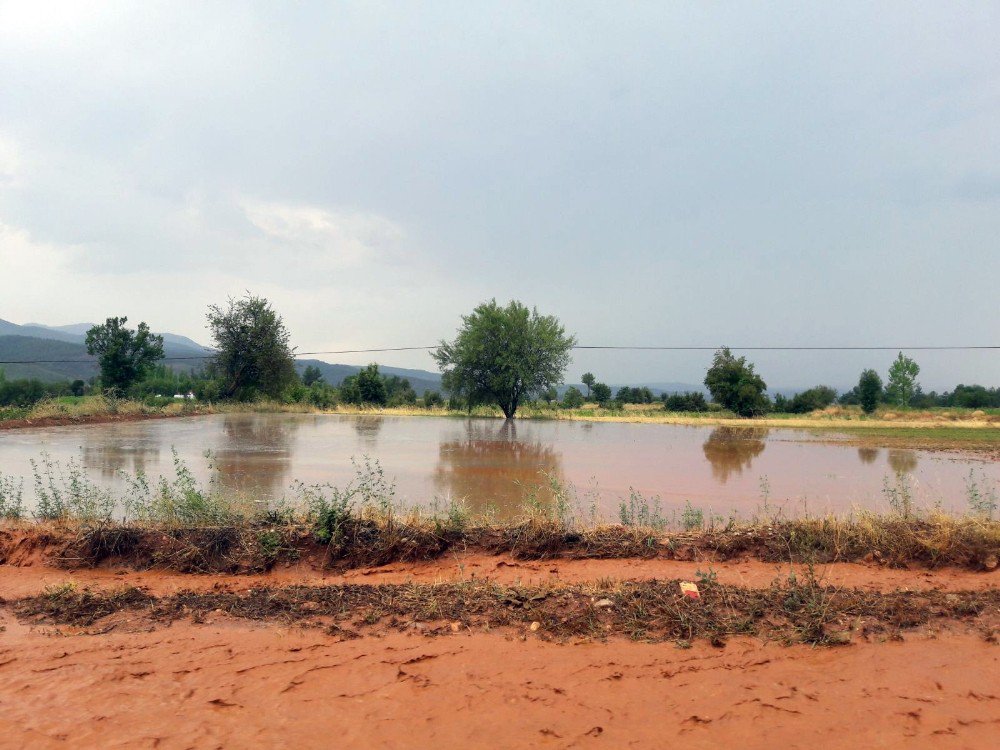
x: 495, y: 465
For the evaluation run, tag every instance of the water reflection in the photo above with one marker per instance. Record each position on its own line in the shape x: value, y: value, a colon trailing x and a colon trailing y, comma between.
x: 368, y: 427
x: 730, y: 450
x: 902, y: 461
x: 254, y: 453
x: 110, y: 457
x: 868, y: 455
x: 490, y: 467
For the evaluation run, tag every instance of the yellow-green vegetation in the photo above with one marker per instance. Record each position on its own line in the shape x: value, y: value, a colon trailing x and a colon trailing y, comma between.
x: 835, y: 417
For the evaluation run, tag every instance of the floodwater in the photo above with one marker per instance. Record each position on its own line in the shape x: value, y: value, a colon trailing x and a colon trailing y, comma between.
x: 496, y: 464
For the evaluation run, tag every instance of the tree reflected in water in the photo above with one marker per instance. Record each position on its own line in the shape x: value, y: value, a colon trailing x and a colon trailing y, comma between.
x: 368, y: 427
x: 118, y: 454
x: 255, y: 453
x: 902, y: 461
x: 491, y: 468
x: 868, y: 455
x: 731, y: 450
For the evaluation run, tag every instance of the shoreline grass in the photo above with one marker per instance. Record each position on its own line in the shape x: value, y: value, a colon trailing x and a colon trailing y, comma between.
x: 181, y: 524
x: 257, y: 545
x: 847, y: 418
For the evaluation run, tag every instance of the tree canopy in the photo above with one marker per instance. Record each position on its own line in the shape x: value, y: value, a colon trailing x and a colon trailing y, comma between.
x: 124, y: 355
x: 734, y: 384
x: 869, y: 390
x: 573, y: 398
x: 503, y: 355
x: 311, y: 374
x: 254, y: 357
x: 902, y: 383
x: 601, y: 392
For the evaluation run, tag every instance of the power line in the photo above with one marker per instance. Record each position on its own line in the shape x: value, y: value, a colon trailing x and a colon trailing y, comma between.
x: 581, y: 347
x: 791, y: 348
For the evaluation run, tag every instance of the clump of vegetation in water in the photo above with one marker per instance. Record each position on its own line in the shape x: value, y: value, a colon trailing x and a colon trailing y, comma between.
x: 641, y: 511
x: 11, y: 498
x: 899, y: 494
x: 982, y: 495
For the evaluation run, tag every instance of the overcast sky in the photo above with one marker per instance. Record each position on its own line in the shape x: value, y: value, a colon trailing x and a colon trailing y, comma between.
x: 651, y: 173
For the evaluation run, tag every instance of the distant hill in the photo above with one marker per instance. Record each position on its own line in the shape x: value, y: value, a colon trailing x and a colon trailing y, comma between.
x: 41, y: 332
x: 78, y: 329
x: 81, y: 366
x: 38, y: 342
x: 77, y: 333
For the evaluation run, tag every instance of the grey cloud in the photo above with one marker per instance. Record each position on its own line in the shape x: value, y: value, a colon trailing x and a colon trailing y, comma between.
x: 652, y: 173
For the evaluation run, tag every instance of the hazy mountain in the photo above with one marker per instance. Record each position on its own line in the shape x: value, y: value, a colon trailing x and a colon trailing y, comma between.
x: 177, y: 340
x: 77, y: 332
x: 36, y: 342
x: 77, y: 329
x: 81, y: 364
x: 13, y: 329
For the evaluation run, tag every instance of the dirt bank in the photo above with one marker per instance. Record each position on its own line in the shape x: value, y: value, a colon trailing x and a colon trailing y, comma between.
x: 69, y: 420
x: 233, y: 684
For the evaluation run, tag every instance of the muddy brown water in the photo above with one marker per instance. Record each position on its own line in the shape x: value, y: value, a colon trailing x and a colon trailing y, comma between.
x: 492, y: 463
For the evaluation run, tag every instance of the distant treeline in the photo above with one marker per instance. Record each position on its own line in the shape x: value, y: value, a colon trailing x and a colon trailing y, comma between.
x: 503, y: 356
x: 370, y: 387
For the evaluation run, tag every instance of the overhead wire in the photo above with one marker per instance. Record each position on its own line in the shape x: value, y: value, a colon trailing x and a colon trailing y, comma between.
x: 378, y: 350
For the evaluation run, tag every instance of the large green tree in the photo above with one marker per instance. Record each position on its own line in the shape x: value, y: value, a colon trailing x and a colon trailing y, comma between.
x: 573, y: 398
x: 869, y: 390
x: 254, y: 357
x: 372, y: 387
x: 124, y: 355
x: 311, y: 374
x: 503, y: 355
x: 902, y: 381
x: 601, y: 393
x: 734, y: 384
x: 588, y: 380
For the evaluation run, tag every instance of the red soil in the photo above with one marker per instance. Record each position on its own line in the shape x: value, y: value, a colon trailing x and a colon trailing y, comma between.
x: 27, y: 574
x: 230, y: 683
x: 226, y: 684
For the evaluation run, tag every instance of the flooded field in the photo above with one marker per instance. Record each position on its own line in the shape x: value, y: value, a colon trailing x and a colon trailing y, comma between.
x: 490, y: 463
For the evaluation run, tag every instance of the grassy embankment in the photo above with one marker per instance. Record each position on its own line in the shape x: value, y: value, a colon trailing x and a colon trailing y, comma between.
x: 182, y: 525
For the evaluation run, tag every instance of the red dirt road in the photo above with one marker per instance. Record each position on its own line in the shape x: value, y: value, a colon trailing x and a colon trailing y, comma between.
x: 27, y: 573
x: 231, y: 684
x: 234, y: 683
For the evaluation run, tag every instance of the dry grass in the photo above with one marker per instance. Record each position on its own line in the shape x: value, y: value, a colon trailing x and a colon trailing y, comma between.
x: 831, y: 418
x: 791, y: 610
